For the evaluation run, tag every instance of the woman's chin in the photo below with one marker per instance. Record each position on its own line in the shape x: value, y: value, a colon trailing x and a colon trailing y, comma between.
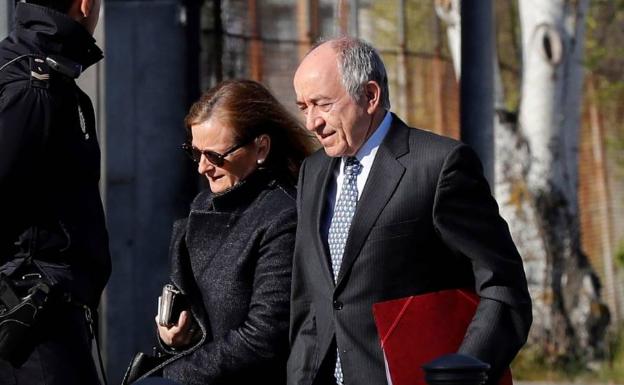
x: 220, y: 185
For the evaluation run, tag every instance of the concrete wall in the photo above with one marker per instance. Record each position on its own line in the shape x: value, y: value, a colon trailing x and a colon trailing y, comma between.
x: 148, y: 180
x: 6, y: 16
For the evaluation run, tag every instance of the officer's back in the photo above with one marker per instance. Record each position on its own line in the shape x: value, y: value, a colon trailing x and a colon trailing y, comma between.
x: 50, y: 206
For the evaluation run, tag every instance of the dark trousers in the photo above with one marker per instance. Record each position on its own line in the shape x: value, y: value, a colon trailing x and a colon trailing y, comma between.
x: 325, y: 374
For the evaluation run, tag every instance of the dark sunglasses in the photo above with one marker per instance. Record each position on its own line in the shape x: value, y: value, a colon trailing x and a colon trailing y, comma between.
x: 213, y: 157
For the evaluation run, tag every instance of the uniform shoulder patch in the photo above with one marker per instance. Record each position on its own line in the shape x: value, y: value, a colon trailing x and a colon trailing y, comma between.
x: 39, y: 72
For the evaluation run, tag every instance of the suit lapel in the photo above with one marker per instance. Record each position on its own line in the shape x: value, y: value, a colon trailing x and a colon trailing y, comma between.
x: 319, y: 199
x: 385, y: 175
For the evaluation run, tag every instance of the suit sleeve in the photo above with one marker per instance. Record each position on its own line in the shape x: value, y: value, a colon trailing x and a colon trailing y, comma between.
x: 467, y: 219
x: 300, y: 303
x: 263, y: 334
x: 303, y: 336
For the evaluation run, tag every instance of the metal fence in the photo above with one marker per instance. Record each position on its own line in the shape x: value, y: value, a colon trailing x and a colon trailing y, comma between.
x: 265, y: 40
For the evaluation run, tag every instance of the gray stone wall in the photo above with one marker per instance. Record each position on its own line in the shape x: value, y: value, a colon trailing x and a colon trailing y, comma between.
x: 6, y: 17
x: 148, y: 180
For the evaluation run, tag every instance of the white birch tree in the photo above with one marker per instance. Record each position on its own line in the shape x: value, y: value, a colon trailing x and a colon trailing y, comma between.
x: 536, y: 174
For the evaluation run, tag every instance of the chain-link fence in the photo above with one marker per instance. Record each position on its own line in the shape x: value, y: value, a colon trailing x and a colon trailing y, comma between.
x: 264, y: 40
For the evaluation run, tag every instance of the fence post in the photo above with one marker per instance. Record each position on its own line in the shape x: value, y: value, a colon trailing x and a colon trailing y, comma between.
x: 456, y: 369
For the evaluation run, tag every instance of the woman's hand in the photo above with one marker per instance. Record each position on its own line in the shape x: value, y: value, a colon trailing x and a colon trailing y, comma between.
x: 178, y: 335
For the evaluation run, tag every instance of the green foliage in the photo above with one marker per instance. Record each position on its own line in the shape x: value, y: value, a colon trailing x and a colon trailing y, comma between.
x: 613, y: 369
x: 604, y: 59
x: 508, y: 50
x: 533, y: 364
x: 609, y: 98
x: 384, y: 24
x: 604, y: 33
x: 423, y: 32
x: 619, y: 255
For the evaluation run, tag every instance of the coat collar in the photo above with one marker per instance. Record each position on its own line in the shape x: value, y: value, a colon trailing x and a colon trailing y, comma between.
x: 236, y: 198
x: 324, y: 177
x: 56, y: 33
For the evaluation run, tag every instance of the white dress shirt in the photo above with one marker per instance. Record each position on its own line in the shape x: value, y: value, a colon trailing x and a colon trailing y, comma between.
x: 366, y: 156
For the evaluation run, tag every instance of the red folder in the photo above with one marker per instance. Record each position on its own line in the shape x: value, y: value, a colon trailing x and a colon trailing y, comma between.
x: 418, y: 329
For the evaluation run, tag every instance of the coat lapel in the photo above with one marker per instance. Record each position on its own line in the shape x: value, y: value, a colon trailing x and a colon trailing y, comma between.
x: 319, y: 198
x: 385, y: 175
x: 206, y: 232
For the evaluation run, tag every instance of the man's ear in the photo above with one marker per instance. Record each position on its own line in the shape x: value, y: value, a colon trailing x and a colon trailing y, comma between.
x: 85, y: 7
x: 372, y: 93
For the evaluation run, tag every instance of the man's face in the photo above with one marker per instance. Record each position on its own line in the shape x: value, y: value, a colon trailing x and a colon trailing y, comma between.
x: 90, y: 22
x: 340, y: 123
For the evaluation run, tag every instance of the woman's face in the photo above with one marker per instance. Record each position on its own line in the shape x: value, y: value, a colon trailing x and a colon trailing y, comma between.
x: 216, y: 136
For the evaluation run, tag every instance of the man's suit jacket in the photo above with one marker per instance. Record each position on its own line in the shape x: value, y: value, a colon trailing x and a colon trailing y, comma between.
x: 425, y: 221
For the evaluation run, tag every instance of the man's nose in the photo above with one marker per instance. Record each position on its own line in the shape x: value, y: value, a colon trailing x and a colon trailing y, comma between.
x: 313, y: 119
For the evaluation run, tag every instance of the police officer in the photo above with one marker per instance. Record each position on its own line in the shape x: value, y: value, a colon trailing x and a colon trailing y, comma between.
x: 50, y: 206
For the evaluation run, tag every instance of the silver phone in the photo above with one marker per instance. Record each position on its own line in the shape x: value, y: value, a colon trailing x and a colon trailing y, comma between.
x: 170, y: 305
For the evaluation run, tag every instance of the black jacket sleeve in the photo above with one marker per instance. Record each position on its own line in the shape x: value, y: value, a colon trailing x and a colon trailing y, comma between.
x: 467, y: 218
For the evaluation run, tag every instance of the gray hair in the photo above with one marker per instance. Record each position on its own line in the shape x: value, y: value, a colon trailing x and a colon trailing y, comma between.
x: 360, y: 63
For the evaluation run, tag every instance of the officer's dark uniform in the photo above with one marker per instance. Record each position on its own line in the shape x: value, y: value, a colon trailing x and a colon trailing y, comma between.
x: 50, y: 206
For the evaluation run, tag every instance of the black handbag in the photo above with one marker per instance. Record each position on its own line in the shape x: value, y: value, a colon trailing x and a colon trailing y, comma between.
x: 24, y: 295
x: 142, y: 364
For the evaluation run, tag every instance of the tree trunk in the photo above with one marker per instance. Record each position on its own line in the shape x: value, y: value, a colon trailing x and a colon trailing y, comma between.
x: 255, y: 45
x: 537, y: 175
x: 448, y: 11
x: 307, y: 24
x: 402, y: 79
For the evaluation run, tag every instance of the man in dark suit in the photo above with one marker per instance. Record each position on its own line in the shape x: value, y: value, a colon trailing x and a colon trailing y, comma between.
x: 388, y: 211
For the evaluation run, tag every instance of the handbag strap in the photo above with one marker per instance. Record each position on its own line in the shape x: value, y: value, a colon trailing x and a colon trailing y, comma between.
x: 95, y: 339
x: 30, y: 258
x: 30, y: 261
x: 32, y: 246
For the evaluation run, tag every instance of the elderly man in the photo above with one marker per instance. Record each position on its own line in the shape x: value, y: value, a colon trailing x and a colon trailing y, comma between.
x: 388, y: 211
x: 51, y: 217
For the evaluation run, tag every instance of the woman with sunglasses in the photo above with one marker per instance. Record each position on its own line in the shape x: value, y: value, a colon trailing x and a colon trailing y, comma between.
x: 232, y: 255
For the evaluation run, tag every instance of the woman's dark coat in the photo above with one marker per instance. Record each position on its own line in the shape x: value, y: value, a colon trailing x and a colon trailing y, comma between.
x: 232, y: 256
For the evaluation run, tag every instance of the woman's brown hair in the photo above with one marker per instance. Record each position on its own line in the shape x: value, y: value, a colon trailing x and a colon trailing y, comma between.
x: 251, y: 110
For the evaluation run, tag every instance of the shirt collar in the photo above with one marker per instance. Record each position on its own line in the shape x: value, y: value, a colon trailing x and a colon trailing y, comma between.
x: 56, y: 33
x: 369, y: 147
x: 236, y: 197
